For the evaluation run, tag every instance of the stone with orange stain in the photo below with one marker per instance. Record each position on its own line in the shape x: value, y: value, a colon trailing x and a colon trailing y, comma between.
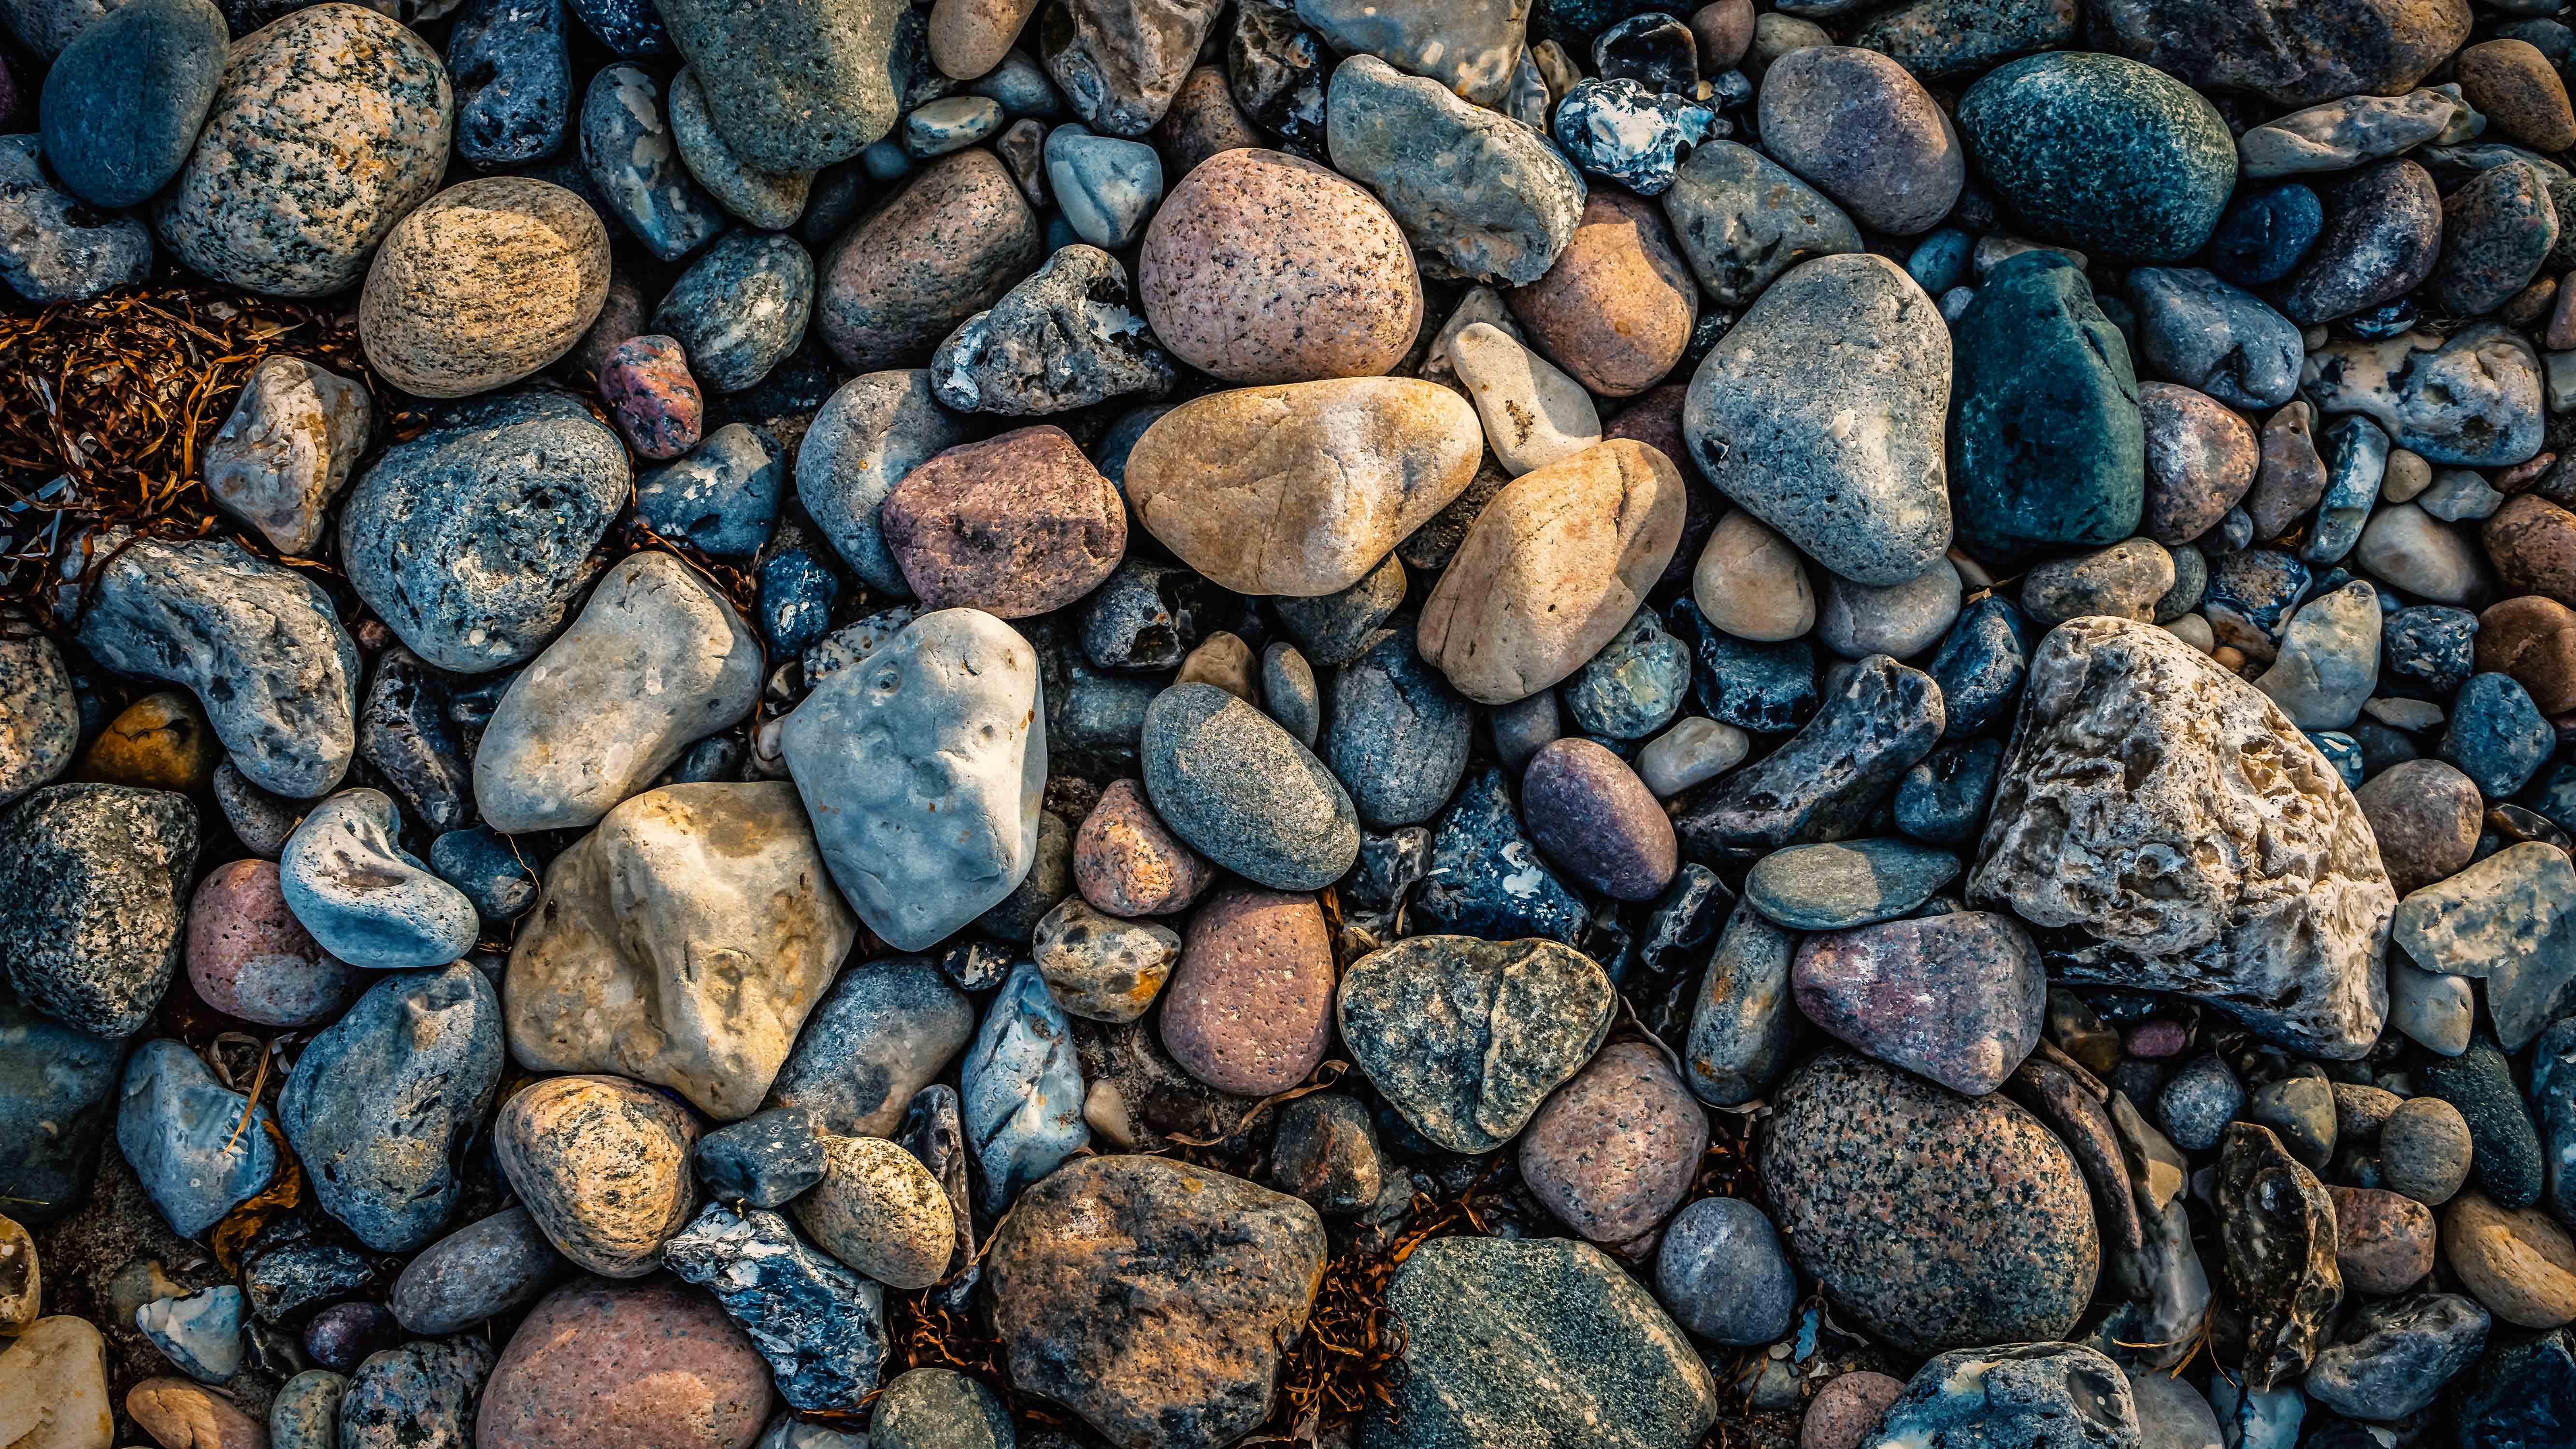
x: 183, y: 1415
x: 602, y: 1164
x: 159, y: 742
x: 1126, y: 862
x: 1100, y: 967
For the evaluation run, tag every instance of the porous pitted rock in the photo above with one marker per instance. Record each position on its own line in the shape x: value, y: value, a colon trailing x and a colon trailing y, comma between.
x: 40, y: 721
x: 92, y: 880
x: 2278, y: 1232
x: 948, y: 245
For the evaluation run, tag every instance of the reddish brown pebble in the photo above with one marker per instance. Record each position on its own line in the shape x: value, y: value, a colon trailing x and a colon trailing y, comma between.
x: 1591, y: 815
x: 1126, y: 862
x: 1250, y: 1007
x: 651, y: 1365
x: 2532, y: 543
x: 1615, y: 309
x: 2201, y: 458
x: 249, y: 957
x: 1847, y: 1410
x: 945, y: 248
x: 2425, y: 815
x: 2384, y: 1241
x: 1019, y: 525
x: 1724, y: 32
x: 182, y: 1415
x: 2156, y: 1039
x: 2292, y: 478
x: 1203, y: 122
x: 651, y: 396
x: 2513, y: 84
x: 2534, y: 640
x: 1613, y: 1151
x: 1263, y: 268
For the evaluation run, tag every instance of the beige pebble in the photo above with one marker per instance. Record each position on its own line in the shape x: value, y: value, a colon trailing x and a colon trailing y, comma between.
x: 53, y: 1387
x: 490, y: 281
x: 969, y: 37
x: 1751, y: 583
x: 2519, y: 1264
x: 880, y: 1211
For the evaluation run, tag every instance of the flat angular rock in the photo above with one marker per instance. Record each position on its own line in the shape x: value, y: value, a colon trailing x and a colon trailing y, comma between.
x: 1480, y: 196
x: 2059, y: 1394
x: 287, y: 449
x: 2278, y: 1228
x: 946, y: 720
x: 1869, y: 988
x: 1021, y: 1089
x: 1119, y: 62
x: 175, y: 1124
x: 2510, y: 919
x: 886, y: 1030
x: 2134, y: 754
x: 1825, y: 780
x: 1467, y: 1037
x: 2392, y: 1358
x: 656, y: 661
x: 90, y: 902
x: 260, y: 645
x: 1153, y: 1297
x: 2472, y: 399
x: 2217, y: 337
x: 681, y: 943
x: 820, y: 1326
x: 2343, y: 134
x: 53, y: 246
x: 1067, y: 337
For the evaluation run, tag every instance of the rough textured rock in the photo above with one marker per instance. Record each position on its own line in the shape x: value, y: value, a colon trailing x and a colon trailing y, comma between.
x: 602, y: 1165
x: 1885, y: 1187
x: 683, y: 942
x: 1867, y: 987
x: 1480, y: 196
x: 91, y: 909
x: 1154, y: 1297
x: 1120, y: 61
x: 1823, y: 783
x: 40, y: 722
x: 287, y: 449
x: 1467, y: 1037
x: 2278, y: 1230
x: 489, y: 281
x: 798, y: 84
x: 1742, y: 220
x: 1016, y: 526
x: 2222, y: 856
x: 1020, y: 1090
x: 418, y: 1395
x: 2059, y: 1394
x: 820, y: 1326
x: 653, y: 1365
x: 1613, y: 1151
x: 2101, y: 153
x: 1065, y: 338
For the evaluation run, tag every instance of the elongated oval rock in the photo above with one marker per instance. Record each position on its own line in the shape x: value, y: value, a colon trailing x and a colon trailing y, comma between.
x: 1242, y: 792
x: 1466, y: 1037
x: 1302, y: 488
x: 949, y: 245
x: 489, y: 281
x: 1822, y: 412
x: 602, y: 1165
x: 1020, y: 1090
x: 331, y: 124
x: 922, y: 768
x: 1873, y: 988
x: 657, y: 661
x: 2102, y: 153
x: 363, y: 897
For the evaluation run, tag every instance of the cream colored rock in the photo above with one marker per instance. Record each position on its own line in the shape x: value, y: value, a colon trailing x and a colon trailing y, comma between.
x: 1099, y: 966
x: 287, y: 449
x: 656, y: 662
x: 1301, y: 488
x: 880, y: 1211
x: 681, y: 943
x: 331, y: 125
x: 969, y: 37
x: 1533, y: 413
x: 1750, y: 582
x: 490, y: 281
x: 2167, y: 810
x: 2521, y: 1265
x: 53, y: 1388
x: 1559, y: 560
x: 603, y: 1166
x: 22, y: 1280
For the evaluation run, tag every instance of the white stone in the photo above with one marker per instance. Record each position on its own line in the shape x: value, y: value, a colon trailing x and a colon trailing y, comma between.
x: 286, y: 450
x: 2435, y: 1011
x: 53, y: 1388
x: 1694, y: 751
x: 1533, y: 413
x: 2329, y: 660
x: 2421, y: 555
x: 2509, y: 919
x: 1900, y: 620
x: 880, y: 1211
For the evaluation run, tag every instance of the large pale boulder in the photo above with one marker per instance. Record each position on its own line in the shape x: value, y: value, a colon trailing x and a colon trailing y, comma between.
x: 2169, y: 811
x: 682, y: 943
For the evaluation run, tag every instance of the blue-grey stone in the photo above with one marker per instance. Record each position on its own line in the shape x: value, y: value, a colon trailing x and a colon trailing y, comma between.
x: 1741, y: 219
x: 92, y: 884
x: 488, y: 870
x: 418, y: 1395
x: 2217, y: 337
x: 1981, y: 664
x: 1020, y: 1090
x: 798, y: 87
x: 1943, y: 799
x: 2391, y: 1357
x: 123, y: 102
x: 513, y: 78
x: 2016, y: 1395
x: 200, y: 1334
x: 1105, y: 188
x: 196, y: 1147
x: 1065, y: 337
x: 869, y: 437
x: 1333, y: 628
x: 1290, y: 694
x: 2251, y: 595
x: 1741, y: 1026
x: 472, y: 540
x: 937, y: 1408
x: 884, y: 1031
x: 1145, y: 617
x: 794, y: 604
x: 1765, y: 688
x: 482, y: 1269
x: 2356, y: 459
x: 2504, y: 1144
x: 951, y: 123
x: 2197, y: 1104
x: 1241, y: 791
x: 1827, y: 779
x: 259, y: 644
x: 1723, y: 1275
x: 763, y: 1160
x: 56, y: 1101
x: 631, y: 29
x: 2497, y: 736
x: 2101, y: 153
x: 821, y: 1327
x: 1394, y: 732
x: 362, y: 896
x: 2264, y: 234
x: 2427, y: 651
x: 740, y: 308
x: 1835, y: 887
x: 634, y: 165
x: 54, y: 247
x: 290, y: 1273
x: 306, y: 1412
x: 382, y: 1106
x: 2524, y: 1397
x: 2553, y: 1109
x: 1634, y: 686
x: 1486, y: 876
x: 403, y: 732
x: 1940, y: 261
x: 2344, y: 753
x: 1021, y: 85
x: 1632, y: 135
x: 2474, y: 399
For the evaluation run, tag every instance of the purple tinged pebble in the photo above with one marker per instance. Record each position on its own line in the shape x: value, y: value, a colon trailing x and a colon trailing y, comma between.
x: 2382, y: 232
x: 479, y: 1271
x: 343, y: 1335
x: 1958, y: 998
x: 1722, y: 1273
x: 651, y: 396
x: 1593, y: 817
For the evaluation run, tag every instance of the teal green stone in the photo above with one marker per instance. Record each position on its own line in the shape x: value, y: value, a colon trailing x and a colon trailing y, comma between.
x: 2047, y: 448
x: 2102, y: 153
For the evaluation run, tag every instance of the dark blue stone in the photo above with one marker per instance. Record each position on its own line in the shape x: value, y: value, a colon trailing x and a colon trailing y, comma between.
x: 2264, y: 234
x: 1634, y: 686
x: 57, y: 1096
x: 2504, y: 1146
x: 341, y: 1336
x: 2498, y: 737
x: 1981, y: 664
x: 1765, y: 688
x: 2427, y: 652
x: 1486, y: 878
x: 182, y: 1132
x: 124, y: 100
x: 421, y: 1395
x: 2384, y: 321
x: 763, y: 1160
x: 1654, y: 50
x: 2382, y: 746
x: 286, y: 1280
x: 631, y: 29
x: 2343, y: 752
x: 717, y: 759
x: 482, y: 864
x: 1942, y: 800
x: 2524, y: 1398
x: 722, y: 496
x: 1395, y: 733
x: 1621, y: 130
x: 1574, y: 23
x: 796, y: 597
x: 820, y: 1326
x: 2553, y: 794
x: 513, y: 79
x: 403, y: 732
x: 1940, y: 261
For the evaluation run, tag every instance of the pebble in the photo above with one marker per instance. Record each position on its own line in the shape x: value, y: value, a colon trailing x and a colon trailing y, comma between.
x: 721, y: 497
x: 1901, y: 620
x: 477, y: 1272
x: 1613, y: 1151
x: 1486, y: 876
x: 2497, y: 736
x: 964, y: 236
x: 2425, y: 1150
x: 1016, y: 526
x: 2015, y: 1392
x: 177, y: 1126
x: 249, y: 957
x: 1722, y: 1272
x: 2515, y: 86
x: 1065, y: 338
x: 1241, y: 791
x: 2426, y: 816
x: 656, y: 1365
x: 879, y: 1210
x: 513, y: 77
x: 40, y: 724
x: 90, y: 909
x: 199, y: 1334
x: 1742, y: 221
x: 1628, y: 133
x: 306, y: 1411
x: 287, y: 449
x: 1847, y: 1410
x: 1396, y: 735
x: 1592, y: 816
x: 2384, y: 1241
x: 490, y: 281
x: 123, y: 101
x: 1021, y: 1089
x: 2102, y: 153
x: 1636, y: 684
x: 1106, y: 188
x: 1126, y: 862
x: 602, y: 1166
x: 1479, y: 197
x: 159, y: 742
x: 2519, y: 1262
x: 54, y: 247
x: 884, y: 1031
x: 1694, y: 751
x: 182, y: 1415
x: 1866, y: 133
x: 1474, y: 1090
x: 2036, y: 354
x: 365, y: 899
x: 418, y: 1394
x: 739, y: 310
x: 2381, y: 233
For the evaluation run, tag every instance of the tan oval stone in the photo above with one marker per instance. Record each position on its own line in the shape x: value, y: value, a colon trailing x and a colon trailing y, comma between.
x: 159, y: 742
x: 53, y: 1387
x: 603, y: 1166
x: 331, y: 124
x: 2520, y: 1264
x: 1615, y: 309
x: 880, y: 1211
x: 1302, y: 488
x: 1750, y: 583
x: 182, y: 1415
x: 969, y: 37
x: 683, y: 942
x: 1550, y: 571
x: 490, y: 281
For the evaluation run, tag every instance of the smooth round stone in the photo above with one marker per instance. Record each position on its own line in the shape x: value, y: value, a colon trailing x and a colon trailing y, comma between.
x: 1742, y: 220
x: 479, y: 1271
x: 2382, y: 232
x: 306, y: 1412
x: 2514, y: 86
x: 344, y: 1335
x: 2497, y: 737
x: 1242, y: 792
x: 1592, y: 816
x: 2201, y: 458
x: 1107, y: 188
x: 160, y: 742
x: 2426, y: 816
x: 2265, y: 233
x: 2518, y: 1262
x: 1262, y: 268
x: 1861, y: 128
x: 487, y: 283
x: 879, y: 1210
x: 1695, y: 750
x: 1884, y: 1186
x: 331, y: 125
x: 1534, y: 414
x: 937, y: 1408
x: 1900, y: 620
x: 2102, y: 153
x: 1751, y: 583
x: 2425, y: 1150
x: 2384, y: 1242
x: 2532, y: 543
x: 796, y: 87
x: 2409, y: 548
x: 1126, y: 862
x: 1616, y: 308
x: 2533, y: 639
x: 2197, y: 1104
x: 634, y: 166
x: 1846, y: 1412
x: 123, y: 102
x: 949, y: 245
x: 740, y: 308
x: 969, y: 38
x: 190, y: 1416
x: 652, y: 1365
x: 1100, y: 967
x: 1614, y: 1150
x: 1325, y: 1151
x: 249, y: 957
x: 602, y: 1164
x: 950, y: 124
x: 1851, y: 883
x: 1481, y: 197
x: 1249, y: 1008
x: 1723, y: 1275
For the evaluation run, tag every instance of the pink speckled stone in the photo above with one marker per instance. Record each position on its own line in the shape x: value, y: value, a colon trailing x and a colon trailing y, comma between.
x: 1263, y: 268
x: 1127, y: 862
x: 2157, y: 1038
x: 2384, y: 1241
x: 249, y: 957
x: 1249, y: 1009
x: 1847, y: 1410
x: 651, y: 396
x: 649, y: 1365
x: 1015, y: 526
x: 1613, y: 1151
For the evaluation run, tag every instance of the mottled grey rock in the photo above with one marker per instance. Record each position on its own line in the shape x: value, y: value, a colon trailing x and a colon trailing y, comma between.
x: 1741, y: 1027
x: 57, y: 1097
x: 2059, y: 1394
x: 2343, y: 134
x: 884, y: 1031
x: 1242, y: 792
x: 479, y: 1271
x: 1722, y: 1272
x: 821, y: 1327
x: 869, y: 437
x: 795, y: 85
x: 53, y: 247
x: 1480, y: 196
x: 418, y: 1395
x: 1827, y: 779
x: 937, y: 1408
x: 1466, y: 1037
x: 1067, y: 337
x: 1120, y: 62
x: 634, y: 166
x: 40, y: 723
x: 770, y: 200
x: 1395, y: 733
x: 1468, y: 49
x: 287, y: 449
x: 2473, y: 398
x: 740, y: 309
x: 2392, y: 1356
x: 1742, y: 220
x: 92, y: 900
x: 1020, y: 1090
x: 2217, y: 337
